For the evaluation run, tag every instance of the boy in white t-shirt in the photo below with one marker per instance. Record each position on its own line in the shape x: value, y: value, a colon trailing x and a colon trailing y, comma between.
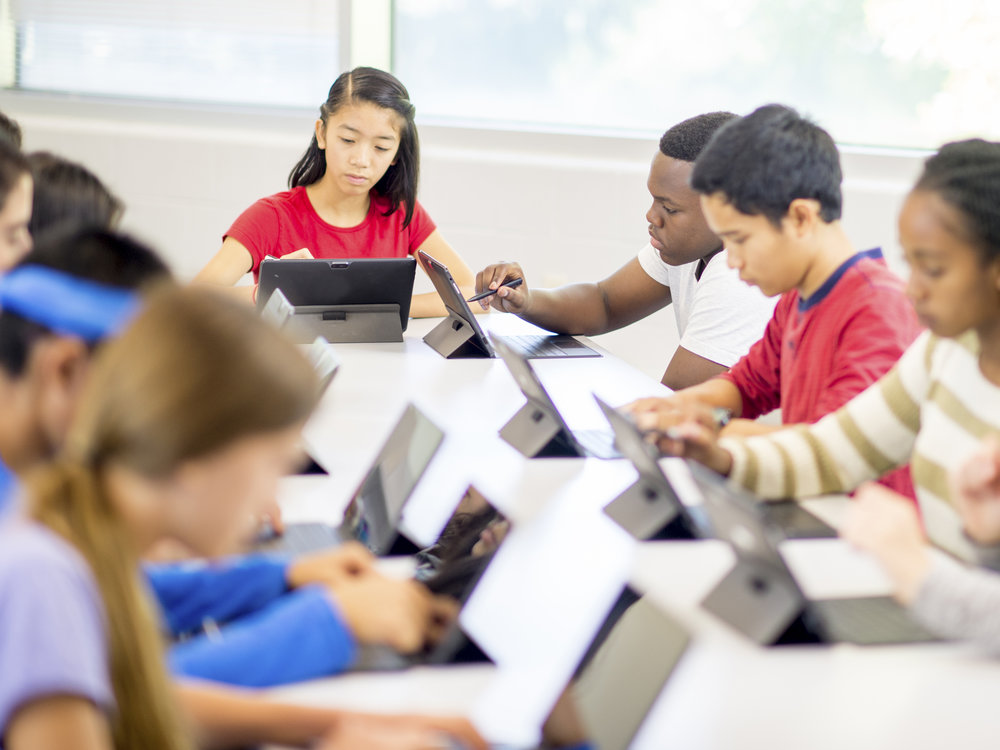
x: 718, y: 316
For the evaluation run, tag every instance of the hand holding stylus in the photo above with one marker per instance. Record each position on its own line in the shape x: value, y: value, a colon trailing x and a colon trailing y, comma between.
x: 483, y: 295
x: 502, y: 286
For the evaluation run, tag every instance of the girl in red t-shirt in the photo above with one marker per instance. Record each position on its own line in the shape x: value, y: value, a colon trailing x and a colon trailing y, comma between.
x: 353, y: 194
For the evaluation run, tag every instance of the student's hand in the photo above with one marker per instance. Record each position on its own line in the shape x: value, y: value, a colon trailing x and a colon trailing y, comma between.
x: 302, y: 253
x: 506, y: 299
x: 975, y: 487
x: 886, y: 524
x: 330, y: 568
x: 662, y: 414
x: 400, y: 614
x: 370, y: 732
x: 563, y: 727
x: 270, y: 519
x: 682, y: 427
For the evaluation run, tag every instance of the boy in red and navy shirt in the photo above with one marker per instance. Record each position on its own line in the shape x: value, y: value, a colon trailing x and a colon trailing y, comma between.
x: 770, y: 189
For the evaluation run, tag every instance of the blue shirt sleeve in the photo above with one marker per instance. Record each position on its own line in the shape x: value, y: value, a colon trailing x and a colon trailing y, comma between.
x: 299, y: 637
x: 7, y: 487
x: 191, y: 593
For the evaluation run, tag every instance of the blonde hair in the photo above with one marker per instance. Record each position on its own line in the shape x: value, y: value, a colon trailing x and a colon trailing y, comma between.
x: 192, y: 374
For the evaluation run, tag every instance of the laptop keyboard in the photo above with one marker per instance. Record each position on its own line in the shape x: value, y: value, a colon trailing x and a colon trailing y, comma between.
x: 869, y: 620
x: 795, y: 522
x: 303, y: 539
x: 598, y: 443
x: 537, y: 346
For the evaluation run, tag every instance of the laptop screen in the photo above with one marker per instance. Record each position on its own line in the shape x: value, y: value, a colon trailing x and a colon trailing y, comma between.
x: 628, y: 438
x: 627, y: 673
x: 452, y: 297
x: 526, y: 378
x: 546, y: 565
x: 736, y: 518
x: 373, y: 514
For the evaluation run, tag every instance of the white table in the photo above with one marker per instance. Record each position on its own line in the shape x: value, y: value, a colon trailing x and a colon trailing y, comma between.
x: 726, y: 692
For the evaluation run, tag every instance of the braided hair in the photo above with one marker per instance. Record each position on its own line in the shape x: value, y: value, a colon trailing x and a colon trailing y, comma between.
x: 966, y: 174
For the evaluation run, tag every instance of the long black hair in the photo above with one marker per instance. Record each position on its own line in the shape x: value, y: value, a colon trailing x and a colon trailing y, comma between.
x: 399, y: 183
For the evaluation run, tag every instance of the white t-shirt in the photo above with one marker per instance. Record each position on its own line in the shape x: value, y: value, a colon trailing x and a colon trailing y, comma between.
x: 718, y: 316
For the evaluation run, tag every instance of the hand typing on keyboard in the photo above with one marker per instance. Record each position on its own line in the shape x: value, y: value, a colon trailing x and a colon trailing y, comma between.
x: 331, y: 567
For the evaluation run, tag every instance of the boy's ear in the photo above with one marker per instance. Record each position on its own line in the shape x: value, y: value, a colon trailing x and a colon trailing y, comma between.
x: 320, y: 129
x: 59, y: 368
x: 802, y: 216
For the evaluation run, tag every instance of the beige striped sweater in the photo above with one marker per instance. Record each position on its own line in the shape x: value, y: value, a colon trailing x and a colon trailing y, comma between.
x: 932, y: 409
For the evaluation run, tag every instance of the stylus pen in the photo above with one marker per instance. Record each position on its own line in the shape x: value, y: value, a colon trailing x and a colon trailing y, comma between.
x: 483, y: 295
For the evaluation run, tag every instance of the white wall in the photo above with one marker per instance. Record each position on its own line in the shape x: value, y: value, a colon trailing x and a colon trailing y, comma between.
x: 568, y: 207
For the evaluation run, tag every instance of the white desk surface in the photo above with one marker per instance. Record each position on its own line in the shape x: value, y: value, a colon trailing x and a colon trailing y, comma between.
x: 726, y: 693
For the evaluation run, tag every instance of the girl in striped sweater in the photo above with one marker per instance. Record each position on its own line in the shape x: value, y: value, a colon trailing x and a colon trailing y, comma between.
x: 932, y: 409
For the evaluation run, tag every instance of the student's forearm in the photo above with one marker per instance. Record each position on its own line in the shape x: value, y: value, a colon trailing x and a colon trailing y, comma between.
x: 716, y: 393
x: 228, y: 718
x: 578, y: 309
x: 429, y: 305
x: 242, y: 293
x: 749, y: 428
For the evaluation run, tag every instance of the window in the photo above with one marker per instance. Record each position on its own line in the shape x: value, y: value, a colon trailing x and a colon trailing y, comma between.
x: 271, y: 53
x: 877, y: 72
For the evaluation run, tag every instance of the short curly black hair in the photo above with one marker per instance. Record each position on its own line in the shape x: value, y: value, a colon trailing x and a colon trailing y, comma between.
x: 685, y: 140
x: 966, y: 174
x: 764, y: 161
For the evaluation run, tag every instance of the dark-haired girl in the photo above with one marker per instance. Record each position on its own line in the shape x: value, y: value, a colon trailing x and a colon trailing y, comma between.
x: 353, y: 194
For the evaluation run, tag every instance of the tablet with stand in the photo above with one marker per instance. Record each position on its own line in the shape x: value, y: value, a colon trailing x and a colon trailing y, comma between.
x: 649, y: 508
x: 538, y: 430
x: 760, y: 596
x: 346, y: 300
x: 460, y: 336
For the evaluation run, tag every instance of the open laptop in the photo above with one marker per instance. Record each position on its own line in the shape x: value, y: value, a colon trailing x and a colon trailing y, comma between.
x: 461, y: 336
x: 653, y: 506
x: 538, y: 429
x: 535, y: 610
x: 761, y: 598
x: 453, y: 565
x: 373, y: 514
x: 344, y: 300
x: 649, y: 509
x: 617, y: 688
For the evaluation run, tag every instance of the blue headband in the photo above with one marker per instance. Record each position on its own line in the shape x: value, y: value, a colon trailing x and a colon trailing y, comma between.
x: 65, y: 304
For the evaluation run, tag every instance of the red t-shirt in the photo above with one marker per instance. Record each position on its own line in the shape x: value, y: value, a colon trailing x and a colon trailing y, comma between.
x: 286, y: 222
x: 818, y: 353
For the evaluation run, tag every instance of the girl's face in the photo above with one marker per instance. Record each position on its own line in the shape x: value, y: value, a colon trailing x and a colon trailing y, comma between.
x: 218, y: 499
x: 951, y: 286
x: 15, y: 241
x: 360, y: 142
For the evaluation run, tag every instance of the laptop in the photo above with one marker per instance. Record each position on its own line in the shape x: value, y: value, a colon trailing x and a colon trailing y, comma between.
x: 279, y: 312
x: 344, y: 300
x: 534, y: 611
x: 373, y: 514
x: 453, y: 565
x: 761, y: 598
x: 649, y: 509
x: 538, y: 429
x: 461, y: 336
x: 618, y: 687
x: 652, y: 508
